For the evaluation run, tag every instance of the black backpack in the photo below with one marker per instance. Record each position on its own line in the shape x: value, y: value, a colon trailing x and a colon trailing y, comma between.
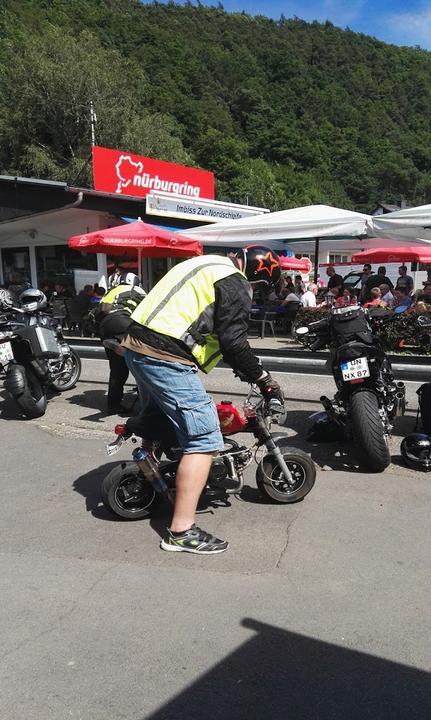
x: 424, y: 408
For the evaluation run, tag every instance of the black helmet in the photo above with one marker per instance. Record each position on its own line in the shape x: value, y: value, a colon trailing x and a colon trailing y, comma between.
x: 32, y: 299
x: 261, y: 264
x: 416, y: 451
x: 324, y: 429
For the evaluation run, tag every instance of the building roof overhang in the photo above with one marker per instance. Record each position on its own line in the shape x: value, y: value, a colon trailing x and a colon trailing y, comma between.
x: 32, y: 198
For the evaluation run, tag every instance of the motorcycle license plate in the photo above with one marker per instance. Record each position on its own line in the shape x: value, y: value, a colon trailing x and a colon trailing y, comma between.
x: 355, y: 369
x: 6, y: 353
x: 114, y: 447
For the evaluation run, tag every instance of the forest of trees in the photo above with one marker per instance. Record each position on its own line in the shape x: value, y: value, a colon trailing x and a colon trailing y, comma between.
x: 285, y: 113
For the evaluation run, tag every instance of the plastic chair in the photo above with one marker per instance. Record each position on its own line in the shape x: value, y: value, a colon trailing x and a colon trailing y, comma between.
x: 261, y: 319
x: 291, y: 311
x: 76, y: 309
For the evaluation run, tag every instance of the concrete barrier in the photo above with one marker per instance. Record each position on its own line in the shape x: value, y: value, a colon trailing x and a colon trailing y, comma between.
x: 417, y: 368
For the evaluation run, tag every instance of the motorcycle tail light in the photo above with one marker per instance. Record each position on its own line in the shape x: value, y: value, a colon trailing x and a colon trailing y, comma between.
x: 120, y: 429
x: 357, y: 381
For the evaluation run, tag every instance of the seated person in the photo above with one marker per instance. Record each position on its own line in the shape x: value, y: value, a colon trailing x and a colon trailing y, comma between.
x: 299, y: 285
x: 423, y: 296
x: 376, y: 299
x: 400, y: 299
x: 98, y: 294
x: 348, y: 297
x: 376, y: 280
x: 387, y: 295
x: 288, y: 287
x: 309, y: 298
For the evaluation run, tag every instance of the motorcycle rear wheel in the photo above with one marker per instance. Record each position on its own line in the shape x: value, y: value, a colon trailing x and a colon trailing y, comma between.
x: 32, y: 401
x: 368, y: 431
x: 127, y: 494
x: 71, y: 376
x: 272, y: 483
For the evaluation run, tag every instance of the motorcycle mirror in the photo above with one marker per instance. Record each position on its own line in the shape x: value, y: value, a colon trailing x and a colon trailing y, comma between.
x: 302, y: 331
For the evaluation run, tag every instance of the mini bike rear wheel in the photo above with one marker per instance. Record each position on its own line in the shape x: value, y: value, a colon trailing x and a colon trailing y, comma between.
x: 126, y: 493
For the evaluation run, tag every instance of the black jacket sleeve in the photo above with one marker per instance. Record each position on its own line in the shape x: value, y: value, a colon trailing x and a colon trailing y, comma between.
x: 232, y: 309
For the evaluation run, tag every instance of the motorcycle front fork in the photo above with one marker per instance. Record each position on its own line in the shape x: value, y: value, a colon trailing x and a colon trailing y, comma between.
x: 275, y: 450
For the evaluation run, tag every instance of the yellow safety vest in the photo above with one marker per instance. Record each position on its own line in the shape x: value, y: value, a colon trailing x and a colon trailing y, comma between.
x: 181, y: 306
x: 121, y: 298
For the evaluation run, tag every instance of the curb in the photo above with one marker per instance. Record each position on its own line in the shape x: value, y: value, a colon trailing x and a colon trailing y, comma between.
x: 291, y: 364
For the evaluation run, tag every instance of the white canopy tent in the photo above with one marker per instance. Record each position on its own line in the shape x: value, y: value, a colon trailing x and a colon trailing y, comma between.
x: 405, y: 225
x: 300, y: 225
x: 285, y: 226
x: 307, y: 227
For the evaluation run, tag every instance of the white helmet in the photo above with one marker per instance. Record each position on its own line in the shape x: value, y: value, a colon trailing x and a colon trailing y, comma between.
x: 32, y: 300
x: 129, y: 279
x: 5, y: 299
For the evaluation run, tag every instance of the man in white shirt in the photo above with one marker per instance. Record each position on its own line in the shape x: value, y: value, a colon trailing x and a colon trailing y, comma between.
x: 309, y: 298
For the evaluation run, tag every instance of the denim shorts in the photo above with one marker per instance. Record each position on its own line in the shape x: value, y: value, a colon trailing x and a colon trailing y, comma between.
x: 176, y: 390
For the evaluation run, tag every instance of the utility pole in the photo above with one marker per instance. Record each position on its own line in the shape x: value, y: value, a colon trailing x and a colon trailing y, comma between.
x: 93, y: 121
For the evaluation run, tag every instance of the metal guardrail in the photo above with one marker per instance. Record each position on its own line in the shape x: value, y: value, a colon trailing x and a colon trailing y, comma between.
x: 411, y: 368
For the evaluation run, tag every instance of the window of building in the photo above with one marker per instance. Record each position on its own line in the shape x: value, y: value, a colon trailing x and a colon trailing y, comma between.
x: 310, y: 256
x: 55, y: 265
x: 338, y: 259
x: 16, y: 266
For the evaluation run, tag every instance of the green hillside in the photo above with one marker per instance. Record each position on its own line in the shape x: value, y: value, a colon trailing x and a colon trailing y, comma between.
x: 284, y: 112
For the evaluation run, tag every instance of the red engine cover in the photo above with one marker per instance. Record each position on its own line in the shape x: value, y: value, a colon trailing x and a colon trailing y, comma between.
x: 230, y: 418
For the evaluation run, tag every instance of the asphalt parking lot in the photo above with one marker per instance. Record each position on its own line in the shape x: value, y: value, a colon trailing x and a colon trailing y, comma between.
x: 317, y: 610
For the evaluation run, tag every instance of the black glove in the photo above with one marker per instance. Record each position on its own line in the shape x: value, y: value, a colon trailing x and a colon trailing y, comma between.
x: 270, y: 388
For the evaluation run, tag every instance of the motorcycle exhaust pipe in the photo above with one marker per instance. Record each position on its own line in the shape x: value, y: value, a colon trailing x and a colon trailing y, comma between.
x: 400, y: 402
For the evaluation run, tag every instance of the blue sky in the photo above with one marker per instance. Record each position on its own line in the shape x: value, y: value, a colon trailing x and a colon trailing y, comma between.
x: 398, y: 22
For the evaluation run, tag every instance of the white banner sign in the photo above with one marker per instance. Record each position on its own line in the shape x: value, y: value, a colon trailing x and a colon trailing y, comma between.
x: 178, y: 206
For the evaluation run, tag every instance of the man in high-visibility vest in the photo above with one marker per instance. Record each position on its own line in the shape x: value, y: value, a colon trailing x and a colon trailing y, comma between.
x: 113, y: 316
x: 195, y: 315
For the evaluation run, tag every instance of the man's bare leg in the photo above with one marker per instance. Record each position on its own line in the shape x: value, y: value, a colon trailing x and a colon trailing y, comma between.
x: 191, y: 477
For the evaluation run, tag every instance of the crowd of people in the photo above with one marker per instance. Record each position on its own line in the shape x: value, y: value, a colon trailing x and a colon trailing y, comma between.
x: 375, y: 289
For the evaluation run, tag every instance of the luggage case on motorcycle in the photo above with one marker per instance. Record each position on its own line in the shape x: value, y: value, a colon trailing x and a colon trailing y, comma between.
x: 43, y: 341
x: 349, y: 323
x: 424, y: 408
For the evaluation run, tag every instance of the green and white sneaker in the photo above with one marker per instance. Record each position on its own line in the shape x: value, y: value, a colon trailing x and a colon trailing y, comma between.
x: 193, y: 540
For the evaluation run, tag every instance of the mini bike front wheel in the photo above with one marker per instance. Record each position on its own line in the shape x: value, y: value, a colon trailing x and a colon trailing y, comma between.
x: 272, y: 483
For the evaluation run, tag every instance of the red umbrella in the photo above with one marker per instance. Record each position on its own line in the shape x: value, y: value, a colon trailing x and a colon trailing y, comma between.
x: 397, y: 254
x: 136, y: 239
x: 292, y: 263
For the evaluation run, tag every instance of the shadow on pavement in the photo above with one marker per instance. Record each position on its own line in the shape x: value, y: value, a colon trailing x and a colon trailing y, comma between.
x: 338, y: 455
x: 281, y: 675
x: 89, y: 486
x: 97, y: 400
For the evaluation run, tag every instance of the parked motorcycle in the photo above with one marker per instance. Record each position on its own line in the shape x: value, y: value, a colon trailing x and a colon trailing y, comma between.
x: 368, y: 398
x: 134, y: 488
x: 34, y: 356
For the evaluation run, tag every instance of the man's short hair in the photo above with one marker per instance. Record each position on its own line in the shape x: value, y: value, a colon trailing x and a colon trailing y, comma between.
x: 311, y: 287
x: 367, y: 266
x: 381, y: 270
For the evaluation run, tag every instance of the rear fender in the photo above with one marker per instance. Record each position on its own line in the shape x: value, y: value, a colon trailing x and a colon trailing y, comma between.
x: 15, y: 381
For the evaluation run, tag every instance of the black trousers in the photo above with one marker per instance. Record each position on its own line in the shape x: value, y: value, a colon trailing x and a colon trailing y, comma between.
x: 118, y: 374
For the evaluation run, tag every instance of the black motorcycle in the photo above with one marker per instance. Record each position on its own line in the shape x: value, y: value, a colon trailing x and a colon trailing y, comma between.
x: 284, y: 474
x: 368, y: 398
x: 34, y: 357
